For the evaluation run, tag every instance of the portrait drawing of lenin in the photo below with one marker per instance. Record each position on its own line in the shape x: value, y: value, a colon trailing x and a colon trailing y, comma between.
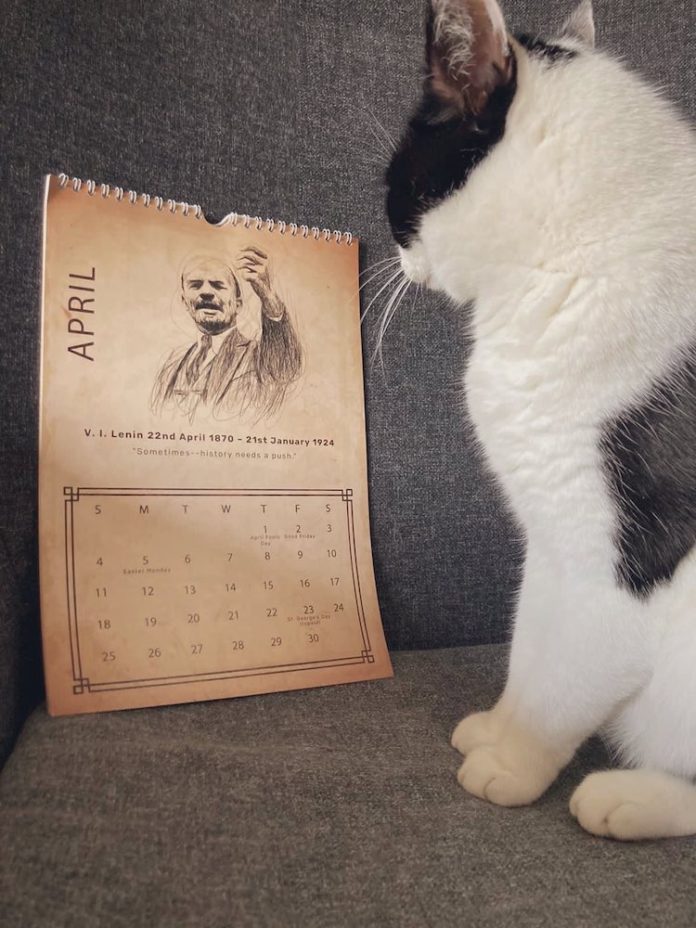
x: 224, y: 370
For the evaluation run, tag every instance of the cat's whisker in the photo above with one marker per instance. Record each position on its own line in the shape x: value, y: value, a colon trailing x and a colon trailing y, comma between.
x: 378, y: 161
x: 362, y: 107
x: 375, y: 280
x: 396, y: 301
x: 391, y: 260
x: 384, y: 149
x: 392, y: 305
x: 391, y: 143
x: 391, y: 310
x: 381, y: 290
x: 376, y: 274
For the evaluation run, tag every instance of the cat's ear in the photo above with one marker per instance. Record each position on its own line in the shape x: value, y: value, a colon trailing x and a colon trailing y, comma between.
x: 580, y: 24
x: 467, y: 52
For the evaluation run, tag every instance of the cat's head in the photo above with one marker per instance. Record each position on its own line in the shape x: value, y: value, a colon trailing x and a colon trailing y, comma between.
x: 471, y: 81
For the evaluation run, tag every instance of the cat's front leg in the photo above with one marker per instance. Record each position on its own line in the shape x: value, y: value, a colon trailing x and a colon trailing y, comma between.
x: 516, y: 766
x: 505, y: 763
x: 477, y: 729
x: 571, y: 664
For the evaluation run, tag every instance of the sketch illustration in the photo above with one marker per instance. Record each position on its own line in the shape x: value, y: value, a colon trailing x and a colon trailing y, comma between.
x: 224, y: 371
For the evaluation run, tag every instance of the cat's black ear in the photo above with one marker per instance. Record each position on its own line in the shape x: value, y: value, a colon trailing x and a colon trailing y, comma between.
x: 580, y: 24
x: 467, y: 52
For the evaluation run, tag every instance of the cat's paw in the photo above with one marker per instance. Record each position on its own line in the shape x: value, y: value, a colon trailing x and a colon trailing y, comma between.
x: 505, y: 776
x: 635, y: 804
x: 476, y: 730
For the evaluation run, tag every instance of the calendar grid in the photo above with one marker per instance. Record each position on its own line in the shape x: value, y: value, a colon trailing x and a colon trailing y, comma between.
x: 82, y: 682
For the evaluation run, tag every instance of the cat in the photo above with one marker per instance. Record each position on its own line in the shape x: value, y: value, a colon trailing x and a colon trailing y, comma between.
x: 552, y: 190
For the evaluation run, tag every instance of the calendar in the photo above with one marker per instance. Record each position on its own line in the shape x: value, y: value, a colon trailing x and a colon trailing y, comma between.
x: 203, y: 512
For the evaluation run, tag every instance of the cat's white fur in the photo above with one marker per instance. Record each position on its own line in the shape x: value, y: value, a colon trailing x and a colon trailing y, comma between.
x: 576, y: 238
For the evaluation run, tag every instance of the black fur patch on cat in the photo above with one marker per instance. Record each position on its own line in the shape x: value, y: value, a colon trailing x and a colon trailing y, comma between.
x: 539, y: 48
x: 437, y: 154
x: 650, y: 458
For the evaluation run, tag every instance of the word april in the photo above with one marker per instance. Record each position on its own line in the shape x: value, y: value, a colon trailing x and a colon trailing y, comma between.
x: 78, y: 309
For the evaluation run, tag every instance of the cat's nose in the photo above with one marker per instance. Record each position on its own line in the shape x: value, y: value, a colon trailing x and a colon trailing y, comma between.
x: 414, y: 263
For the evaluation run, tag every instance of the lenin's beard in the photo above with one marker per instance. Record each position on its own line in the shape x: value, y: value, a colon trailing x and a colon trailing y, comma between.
x: 213, y: 316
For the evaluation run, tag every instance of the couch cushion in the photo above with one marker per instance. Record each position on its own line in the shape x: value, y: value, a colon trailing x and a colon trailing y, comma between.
x: 327, y: 807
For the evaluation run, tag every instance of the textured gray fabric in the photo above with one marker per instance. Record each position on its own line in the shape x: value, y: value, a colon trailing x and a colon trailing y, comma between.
x: 268, y: 107
x: 332, y: 808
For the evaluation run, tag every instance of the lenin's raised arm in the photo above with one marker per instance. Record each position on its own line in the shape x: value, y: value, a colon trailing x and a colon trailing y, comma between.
x: 279, y: 355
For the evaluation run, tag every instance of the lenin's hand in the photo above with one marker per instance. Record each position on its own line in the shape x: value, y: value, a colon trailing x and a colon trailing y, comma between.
x: 252, y: 265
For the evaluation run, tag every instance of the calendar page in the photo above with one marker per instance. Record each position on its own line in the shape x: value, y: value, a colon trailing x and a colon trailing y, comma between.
x: 204, y: 528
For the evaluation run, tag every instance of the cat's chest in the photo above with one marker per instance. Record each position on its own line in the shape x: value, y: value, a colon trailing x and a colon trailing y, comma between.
x: 540, y: 424
x: 515, y: 393
x: 534, y: 424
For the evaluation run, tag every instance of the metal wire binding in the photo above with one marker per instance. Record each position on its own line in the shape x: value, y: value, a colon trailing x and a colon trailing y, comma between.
x: 271, y: 225
x: 106, y: 190
x: 280, y: 225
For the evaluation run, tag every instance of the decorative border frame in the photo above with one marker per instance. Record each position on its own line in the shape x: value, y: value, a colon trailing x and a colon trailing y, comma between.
x: 82, y: 683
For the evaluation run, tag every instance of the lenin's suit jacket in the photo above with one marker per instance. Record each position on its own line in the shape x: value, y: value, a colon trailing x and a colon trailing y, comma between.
x: 245, y: 376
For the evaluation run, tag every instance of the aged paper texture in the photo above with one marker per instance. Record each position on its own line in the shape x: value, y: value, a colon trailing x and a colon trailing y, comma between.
x: 204, y: 526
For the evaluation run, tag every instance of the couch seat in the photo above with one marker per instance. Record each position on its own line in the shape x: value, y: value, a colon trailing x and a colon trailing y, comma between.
x: 327, y: 807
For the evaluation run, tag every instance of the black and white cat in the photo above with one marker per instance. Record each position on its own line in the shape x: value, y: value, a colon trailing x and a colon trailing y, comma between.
x: 555, y: 190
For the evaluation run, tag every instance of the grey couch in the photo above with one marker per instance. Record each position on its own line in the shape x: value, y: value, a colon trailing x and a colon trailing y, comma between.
x: 332, y: 807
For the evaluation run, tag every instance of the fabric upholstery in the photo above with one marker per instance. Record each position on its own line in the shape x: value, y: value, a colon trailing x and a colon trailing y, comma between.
x: 271, y: 108
x: 327, y: 808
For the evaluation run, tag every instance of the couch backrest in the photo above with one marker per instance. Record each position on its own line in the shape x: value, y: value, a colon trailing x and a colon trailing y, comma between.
x: 273, y: 108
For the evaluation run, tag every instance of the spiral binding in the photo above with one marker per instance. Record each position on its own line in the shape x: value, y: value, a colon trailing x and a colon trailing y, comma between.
x: 159, y: 203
